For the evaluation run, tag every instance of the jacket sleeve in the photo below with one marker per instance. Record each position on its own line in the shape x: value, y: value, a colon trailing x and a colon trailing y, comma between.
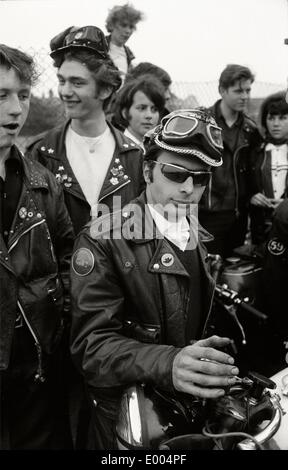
x: 64, y: 240
x: 102, y: 353
x: 62, y: 234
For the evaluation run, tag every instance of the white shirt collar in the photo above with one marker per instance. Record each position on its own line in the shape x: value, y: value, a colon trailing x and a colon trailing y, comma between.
x: 177, y: 232
x: 271, y: 146
x: 132, y: 137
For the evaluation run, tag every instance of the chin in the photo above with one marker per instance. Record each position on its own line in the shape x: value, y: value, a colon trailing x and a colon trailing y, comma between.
x: 72, y: 115
x: 8, y: 141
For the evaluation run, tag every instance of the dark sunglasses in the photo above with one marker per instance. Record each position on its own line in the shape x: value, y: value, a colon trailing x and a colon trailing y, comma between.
x: 178, y: 174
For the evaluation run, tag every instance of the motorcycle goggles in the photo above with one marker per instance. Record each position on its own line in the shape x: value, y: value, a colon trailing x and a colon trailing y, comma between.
x: 179, y: 174
x: 182, y: 126
x: 187, y: 132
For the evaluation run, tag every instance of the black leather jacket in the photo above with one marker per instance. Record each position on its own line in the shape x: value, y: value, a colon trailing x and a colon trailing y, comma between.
x: 261, y: 182
x: 214, y: 196
x: 35, y: 262
x: 129, y: 310
x: 51, y: 152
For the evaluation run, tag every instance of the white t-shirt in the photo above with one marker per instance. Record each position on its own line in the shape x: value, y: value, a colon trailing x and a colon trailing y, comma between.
x: 279, y: 168
x: 90, y: 158
x: 119, y: 57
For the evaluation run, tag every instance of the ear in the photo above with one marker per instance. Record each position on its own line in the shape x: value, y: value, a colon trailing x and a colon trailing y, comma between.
x: 221, y: 90
x: 124, y: 114
x: 105, y: 92
x: 147, y: 172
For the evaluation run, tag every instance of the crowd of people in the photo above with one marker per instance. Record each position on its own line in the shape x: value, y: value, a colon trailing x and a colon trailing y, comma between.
x: 105, y: 227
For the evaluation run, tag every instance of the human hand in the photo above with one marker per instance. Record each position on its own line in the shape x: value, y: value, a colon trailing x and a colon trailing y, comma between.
x: 275, y: 202
x: 261, y: 200
x: 202, y: 370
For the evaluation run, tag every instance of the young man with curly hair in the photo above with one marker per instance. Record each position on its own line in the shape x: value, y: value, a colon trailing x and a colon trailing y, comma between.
x: 121, y: 23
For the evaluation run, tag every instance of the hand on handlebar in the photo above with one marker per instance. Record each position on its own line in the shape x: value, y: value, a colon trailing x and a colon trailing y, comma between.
x: 202, y: 370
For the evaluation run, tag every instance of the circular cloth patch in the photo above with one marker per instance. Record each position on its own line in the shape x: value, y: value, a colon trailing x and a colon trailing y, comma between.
x: 83, y: 261
x: 275, y: 247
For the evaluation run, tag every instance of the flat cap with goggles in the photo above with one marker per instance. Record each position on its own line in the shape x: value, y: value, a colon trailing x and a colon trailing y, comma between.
x: 187, y: 132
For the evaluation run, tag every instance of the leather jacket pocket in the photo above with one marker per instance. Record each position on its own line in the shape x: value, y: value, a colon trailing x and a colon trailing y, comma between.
x: 143, y: 333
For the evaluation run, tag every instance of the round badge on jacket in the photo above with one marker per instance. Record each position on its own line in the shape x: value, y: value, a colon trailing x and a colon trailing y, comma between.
x: 167, y: 259
x: 275, y: 247
x: 83, y: 262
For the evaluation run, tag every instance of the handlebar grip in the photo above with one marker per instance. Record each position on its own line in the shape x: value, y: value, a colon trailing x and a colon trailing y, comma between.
x: 254, y: 311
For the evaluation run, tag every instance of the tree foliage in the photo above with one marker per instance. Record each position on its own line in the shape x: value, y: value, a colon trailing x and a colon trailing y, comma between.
x: 44, y: 114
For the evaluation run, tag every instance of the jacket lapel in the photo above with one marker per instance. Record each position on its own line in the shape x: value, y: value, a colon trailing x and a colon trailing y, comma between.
x: 28, y: 211
x: 62, y: 170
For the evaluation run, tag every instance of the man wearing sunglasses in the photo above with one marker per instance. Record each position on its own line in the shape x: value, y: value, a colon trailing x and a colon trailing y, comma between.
x: 141, y: 292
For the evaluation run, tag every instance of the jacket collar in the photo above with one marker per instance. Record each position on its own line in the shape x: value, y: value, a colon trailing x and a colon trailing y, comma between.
x: 129, y: 53
x: 53, y: 145
x: 247, y: 124
x: 34, y: 177
x: 164, y: 260
x: 28, y: 213
x: 144, y: 228
x: 135, y: 224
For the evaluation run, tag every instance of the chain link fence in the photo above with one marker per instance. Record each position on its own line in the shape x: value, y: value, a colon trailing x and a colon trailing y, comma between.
x: 47, y: 112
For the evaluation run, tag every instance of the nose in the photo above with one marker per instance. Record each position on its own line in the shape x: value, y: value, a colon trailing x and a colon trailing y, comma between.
x: 188, y: 185
x: 65, y: 89
x: 149, y: 113
x: 276, y: 121
x: 15, y: 106
x: 129, y: 29
x: 167, y: 95
x: 245, y: 94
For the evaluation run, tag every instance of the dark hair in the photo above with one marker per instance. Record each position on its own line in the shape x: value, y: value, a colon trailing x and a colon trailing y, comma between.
x: 149, y: 85
x: 22, y: 63
x: 144, y: 68
x: 274, y: 104
x: 121, y: 13
x: 103, y: 70
x: 232, y: 74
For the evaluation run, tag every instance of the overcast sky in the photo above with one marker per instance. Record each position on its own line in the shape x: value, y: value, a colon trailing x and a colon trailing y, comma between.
x: 192, y: 39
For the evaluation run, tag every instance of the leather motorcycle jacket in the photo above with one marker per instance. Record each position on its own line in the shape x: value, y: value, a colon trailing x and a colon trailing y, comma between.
x: 214, y: 196
x: 129, y: 306
x: 35, y: 262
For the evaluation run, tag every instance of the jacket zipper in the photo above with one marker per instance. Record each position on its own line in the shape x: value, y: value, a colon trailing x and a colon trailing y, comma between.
x: 235, y: 178
x: 26, y: 231
x: 51, y: 245
x: 114, y: 190
x: 39, y: 376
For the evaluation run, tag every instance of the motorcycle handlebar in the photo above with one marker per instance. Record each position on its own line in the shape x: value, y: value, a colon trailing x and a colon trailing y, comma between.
x: 254, y: 311
x: 232, y: 297
x: 268, y: 432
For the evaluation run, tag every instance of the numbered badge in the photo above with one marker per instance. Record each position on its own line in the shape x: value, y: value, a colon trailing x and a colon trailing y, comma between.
x: 275, y: 247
